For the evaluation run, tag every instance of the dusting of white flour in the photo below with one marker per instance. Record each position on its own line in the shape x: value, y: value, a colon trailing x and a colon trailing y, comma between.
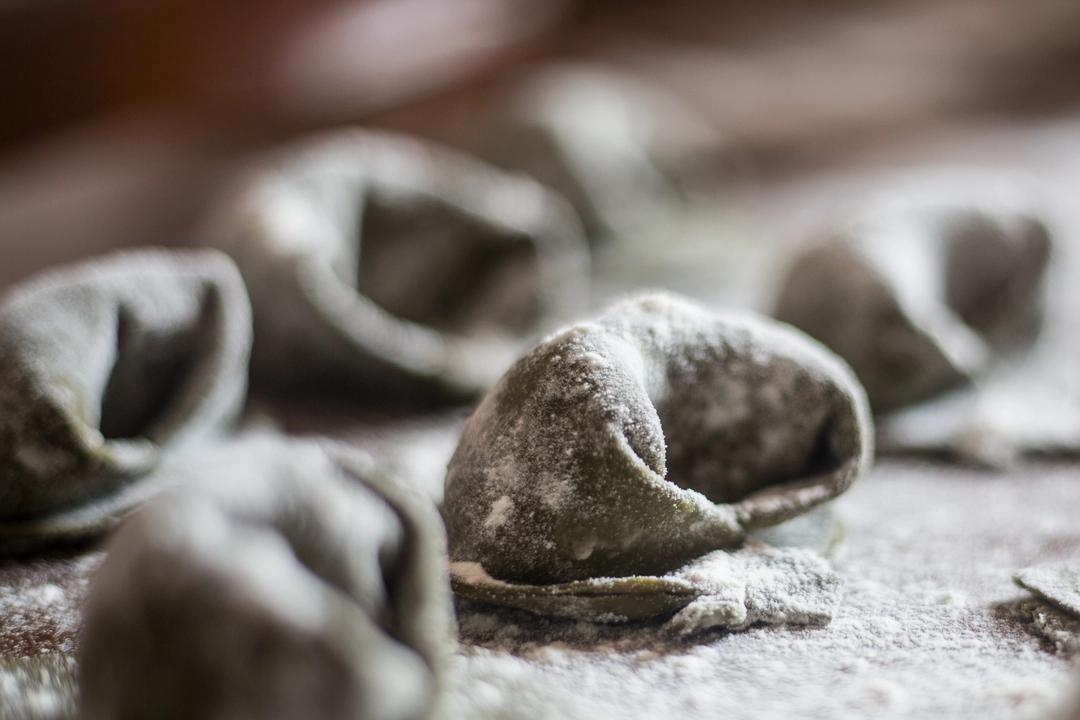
x: 40, y: 603
x: 500, y: 512
x: 927, y: 626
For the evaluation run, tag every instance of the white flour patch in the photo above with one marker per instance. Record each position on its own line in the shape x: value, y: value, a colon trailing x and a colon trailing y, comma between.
x: 500, y: 512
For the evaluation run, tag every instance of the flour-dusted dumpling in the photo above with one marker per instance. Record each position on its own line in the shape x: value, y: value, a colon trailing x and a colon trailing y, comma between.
x: 632, y: 445
x: 918, y: 298
x: 617, y: 147
x: 398, y: 267
x: 285, y: 580
x: 105, y: 368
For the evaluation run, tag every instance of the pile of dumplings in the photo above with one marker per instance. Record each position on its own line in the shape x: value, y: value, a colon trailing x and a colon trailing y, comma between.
x: 639, y: 463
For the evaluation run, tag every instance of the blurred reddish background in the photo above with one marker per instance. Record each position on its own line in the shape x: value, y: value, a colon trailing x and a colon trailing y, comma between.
x: 122, y: 118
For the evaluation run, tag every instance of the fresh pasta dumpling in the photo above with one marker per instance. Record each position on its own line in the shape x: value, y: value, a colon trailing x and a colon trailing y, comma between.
x: 397, y: 267
x: 920, y: 298
x: 107, y: 367
x: 284, y: 579
x: 622, y: 150
x: 634, y: 445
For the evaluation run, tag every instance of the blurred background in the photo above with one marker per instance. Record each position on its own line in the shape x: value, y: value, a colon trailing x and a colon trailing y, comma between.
x: 120, y: 120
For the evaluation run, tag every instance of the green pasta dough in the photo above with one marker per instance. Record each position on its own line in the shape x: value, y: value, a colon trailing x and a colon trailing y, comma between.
x: 622, y: 150
x: 397, y: 268
x: 281, y: 580
x: 107, y: 368
x: 922, y: 298
x: 624, y: 448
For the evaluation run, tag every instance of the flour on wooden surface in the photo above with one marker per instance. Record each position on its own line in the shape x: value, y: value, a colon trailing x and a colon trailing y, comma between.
x: 40, y: 603
x: 920, y: 632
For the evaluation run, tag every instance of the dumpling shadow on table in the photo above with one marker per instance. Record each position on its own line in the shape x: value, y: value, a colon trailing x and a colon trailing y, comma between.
x: 1053, y: 608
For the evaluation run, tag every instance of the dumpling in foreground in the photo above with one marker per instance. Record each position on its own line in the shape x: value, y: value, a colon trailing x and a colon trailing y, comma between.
x: 283, y: 580
x: 628, y: 447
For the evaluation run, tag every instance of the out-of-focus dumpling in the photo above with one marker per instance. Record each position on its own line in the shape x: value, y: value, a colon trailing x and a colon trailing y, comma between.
x: 394, y: 266
x: 282, y: 580
x: 920, y: 298
x: 620, y: 149
x: 106, y: 368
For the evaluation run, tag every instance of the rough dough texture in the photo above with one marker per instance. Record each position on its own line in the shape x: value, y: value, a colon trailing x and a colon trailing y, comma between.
x: 106, y: 368
x: 920, y: 299
x: 283, y: 580
x: 399, y: 268
x: 633, y: 444
x: 1060, y: 628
